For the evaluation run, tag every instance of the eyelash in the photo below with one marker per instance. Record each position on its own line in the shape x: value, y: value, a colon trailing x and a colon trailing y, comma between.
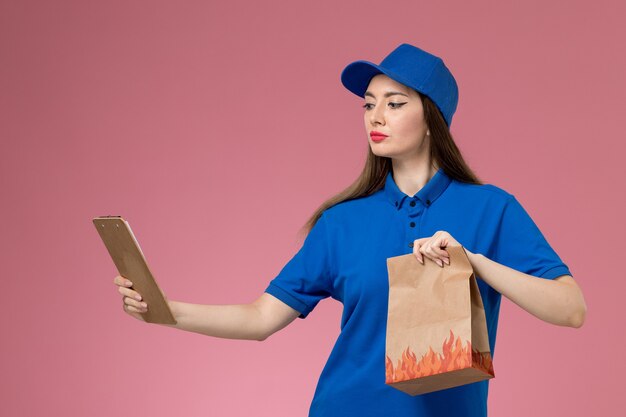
x: 398, y: 105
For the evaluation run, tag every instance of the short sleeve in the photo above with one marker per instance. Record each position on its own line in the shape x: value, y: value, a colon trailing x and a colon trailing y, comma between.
x: 306, y: 279
x: 522, y: 246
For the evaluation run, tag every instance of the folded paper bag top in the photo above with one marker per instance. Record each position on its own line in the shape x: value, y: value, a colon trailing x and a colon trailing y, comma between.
x: 436, y: 325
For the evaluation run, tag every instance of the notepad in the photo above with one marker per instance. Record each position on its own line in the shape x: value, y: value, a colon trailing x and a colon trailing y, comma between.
x: 131, y: 263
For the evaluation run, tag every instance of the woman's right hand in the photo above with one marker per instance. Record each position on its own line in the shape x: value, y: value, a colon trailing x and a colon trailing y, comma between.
x: 132, y: 301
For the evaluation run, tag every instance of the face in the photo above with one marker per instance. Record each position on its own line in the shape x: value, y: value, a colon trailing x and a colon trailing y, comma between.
x: 395, y: 110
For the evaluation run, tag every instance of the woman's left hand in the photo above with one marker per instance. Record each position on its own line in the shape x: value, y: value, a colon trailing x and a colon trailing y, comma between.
x: 434, y: 247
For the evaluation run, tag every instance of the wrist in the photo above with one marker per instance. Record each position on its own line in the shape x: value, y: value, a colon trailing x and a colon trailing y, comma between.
x: 473, y: 257
x: 174, y: 308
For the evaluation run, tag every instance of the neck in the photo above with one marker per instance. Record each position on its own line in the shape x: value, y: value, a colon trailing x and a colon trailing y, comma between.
x: 411, y: 176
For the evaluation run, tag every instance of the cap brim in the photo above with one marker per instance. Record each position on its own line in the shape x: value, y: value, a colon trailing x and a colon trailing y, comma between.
x: 357, y: 75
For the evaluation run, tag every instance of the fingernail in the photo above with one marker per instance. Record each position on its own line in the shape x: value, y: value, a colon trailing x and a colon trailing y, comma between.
x: 138, y: 297
x: 440, y: 263
x: 129, y: 284
x: 144, y: 305
x: 446, y: 260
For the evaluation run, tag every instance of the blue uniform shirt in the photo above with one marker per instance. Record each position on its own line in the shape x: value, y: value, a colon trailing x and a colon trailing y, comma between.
x: 344, y: 257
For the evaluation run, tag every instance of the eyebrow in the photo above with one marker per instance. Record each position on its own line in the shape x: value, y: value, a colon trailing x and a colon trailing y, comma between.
x: 387, y: 94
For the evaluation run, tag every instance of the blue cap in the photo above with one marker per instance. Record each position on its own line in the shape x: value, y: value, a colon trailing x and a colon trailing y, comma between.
x: 413, y: 67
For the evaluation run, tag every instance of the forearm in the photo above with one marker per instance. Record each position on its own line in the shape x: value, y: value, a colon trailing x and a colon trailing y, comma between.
x: 549, y: 300
x: 236, y: 321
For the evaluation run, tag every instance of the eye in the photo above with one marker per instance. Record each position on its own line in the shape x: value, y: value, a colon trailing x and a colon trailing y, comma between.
x: 368, y: 106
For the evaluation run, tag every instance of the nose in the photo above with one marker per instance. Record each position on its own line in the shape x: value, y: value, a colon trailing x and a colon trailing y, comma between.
x: 377, y: 115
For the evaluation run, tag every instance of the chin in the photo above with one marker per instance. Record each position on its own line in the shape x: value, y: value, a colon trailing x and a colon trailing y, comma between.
x: 382, y: 149
x: 382, y: 153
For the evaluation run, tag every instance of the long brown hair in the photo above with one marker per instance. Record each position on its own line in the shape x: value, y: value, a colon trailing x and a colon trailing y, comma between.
x: 443, y: 151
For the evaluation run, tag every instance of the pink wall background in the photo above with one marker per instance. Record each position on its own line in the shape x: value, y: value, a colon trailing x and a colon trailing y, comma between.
x: 210, y: 114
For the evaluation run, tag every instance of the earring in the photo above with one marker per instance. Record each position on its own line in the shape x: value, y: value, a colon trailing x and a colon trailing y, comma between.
x: 427, y: 132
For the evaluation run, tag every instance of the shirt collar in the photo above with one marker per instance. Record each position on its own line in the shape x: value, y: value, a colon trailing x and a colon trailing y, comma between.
x: 427, y: 195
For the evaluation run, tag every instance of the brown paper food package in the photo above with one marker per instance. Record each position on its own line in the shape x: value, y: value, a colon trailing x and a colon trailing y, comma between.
x: 436, y: 325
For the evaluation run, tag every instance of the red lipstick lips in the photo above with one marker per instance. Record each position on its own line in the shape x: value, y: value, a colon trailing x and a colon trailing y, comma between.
x: 377, y: 136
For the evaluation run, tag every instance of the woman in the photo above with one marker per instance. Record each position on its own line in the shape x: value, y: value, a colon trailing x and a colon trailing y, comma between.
x: 415, y: 195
